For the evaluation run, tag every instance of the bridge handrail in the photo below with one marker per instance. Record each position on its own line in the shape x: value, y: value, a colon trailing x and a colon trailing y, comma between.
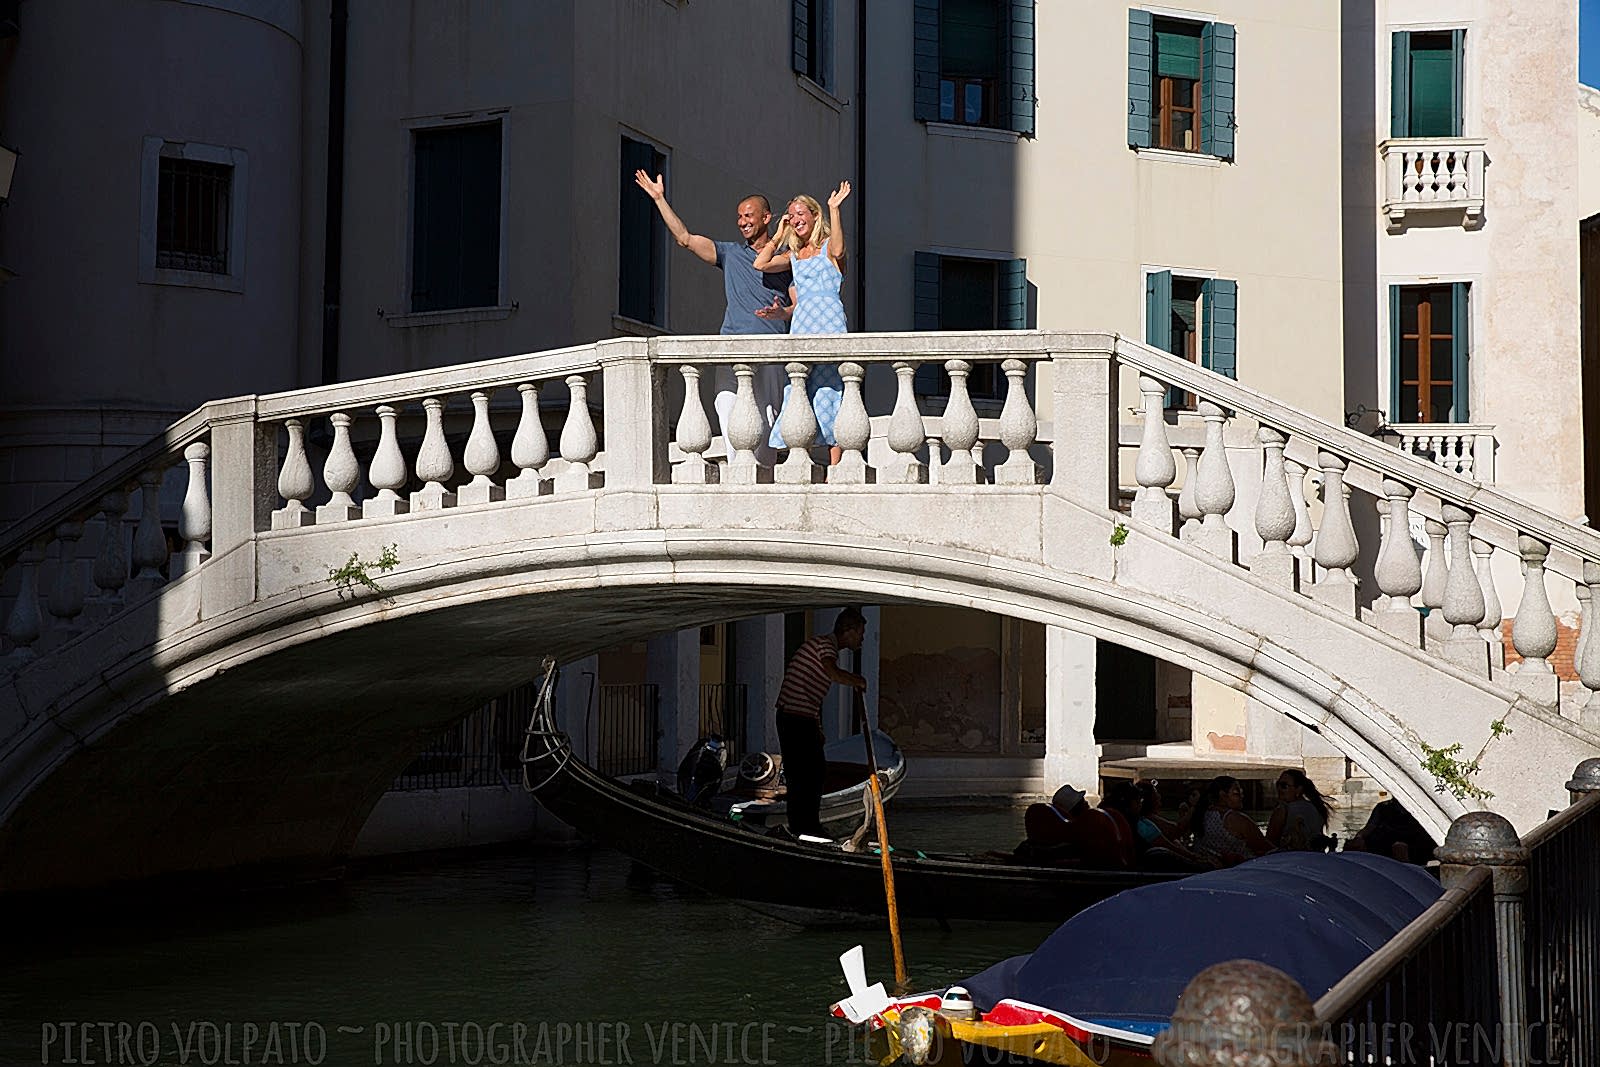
x: 1484, y: 500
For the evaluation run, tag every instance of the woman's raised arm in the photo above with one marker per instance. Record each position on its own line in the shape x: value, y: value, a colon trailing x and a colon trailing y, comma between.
x: 835, y: 226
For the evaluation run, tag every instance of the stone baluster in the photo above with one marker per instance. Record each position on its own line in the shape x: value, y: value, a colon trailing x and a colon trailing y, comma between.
x: 693, y: 433
x: 746, y: 431
x: 852, y: 428
x: 1213, y: 489
x: 1275, y: 515
x: 1468, y: 464
x: 1019, y: 428
x: 388, y: 473
x: 341, y: 474
x: 960, y: 426
x: 1397, y: 570
x: 935, y: 449
x: 1493, y: 612
x: 149, y: 540
x: 798, y: 425
x: 1463, y: 596
x: 1188, y: 509
x: 579, y: 445
x: 1533, y: 633
x: 194, y: 517
x: 482, y: 457
x: 1155, y: 469
x: 24, y: 624
x: 1296, y: 473
x: 434, y: 464
x: 1435, y: 576
x: 1336, y: 548
x: 1484, y: 839
x: 530, y: 448
x: 110, y: 571
x: 906, y: 432
x: 1589, y: 650
x: 295, y: 483
x: 65, y: 602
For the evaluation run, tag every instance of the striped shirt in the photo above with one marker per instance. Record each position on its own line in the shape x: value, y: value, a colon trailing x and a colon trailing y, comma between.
x: 806, y: 680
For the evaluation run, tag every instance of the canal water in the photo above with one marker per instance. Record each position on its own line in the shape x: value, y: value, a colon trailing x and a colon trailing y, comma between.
x: 543, y: 956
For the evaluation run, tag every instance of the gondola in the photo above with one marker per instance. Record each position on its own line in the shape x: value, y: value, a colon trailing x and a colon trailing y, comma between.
x: 797, y: 880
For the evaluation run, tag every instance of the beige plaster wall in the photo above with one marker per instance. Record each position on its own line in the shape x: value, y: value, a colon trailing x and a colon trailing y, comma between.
x: 1588, y: 151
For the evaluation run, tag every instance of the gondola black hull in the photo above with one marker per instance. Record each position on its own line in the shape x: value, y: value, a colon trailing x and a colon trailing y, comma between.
x: 717, y: 856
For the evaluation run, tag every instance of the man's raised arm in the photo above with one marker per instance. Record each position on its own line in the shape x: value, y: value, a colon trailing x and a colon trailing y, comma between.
x: 700, y: 246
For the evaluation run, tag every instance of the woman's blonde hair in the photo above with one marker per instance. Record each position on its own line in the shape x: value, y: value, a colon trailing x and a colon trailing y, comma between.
x: 819, y: 232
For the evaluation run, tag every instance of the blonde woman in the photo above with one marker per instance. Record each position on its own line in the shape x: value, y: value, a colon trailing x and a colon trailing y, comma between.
x: 813, y: 248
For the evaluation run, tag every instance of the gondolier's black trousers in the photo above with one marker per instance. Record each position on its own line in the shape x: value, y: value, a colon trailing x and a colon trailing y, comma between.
x: 800, y: 740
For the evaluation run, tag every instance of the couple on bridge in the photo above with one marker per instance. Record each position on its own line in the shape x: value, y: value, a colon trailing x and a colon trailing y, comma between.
x: 786, y: 282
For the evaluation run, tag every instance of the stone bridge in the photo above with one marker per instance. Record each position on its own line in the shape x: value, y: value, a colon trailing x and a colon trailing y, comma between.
x: 227, y: 704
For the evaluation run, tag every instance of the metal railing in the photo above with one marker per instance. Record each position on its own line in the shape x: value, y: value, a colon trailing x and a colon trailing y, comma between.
x: 480, y: 750
x: 1408, y: 999
x: 629, y: 729
x: 1562, y: 916
x: 722, y: 712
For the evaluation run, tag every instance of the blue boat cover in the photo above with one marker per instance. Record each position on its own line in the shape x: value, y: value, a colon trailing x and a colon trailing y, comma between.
x: 1126, y: 959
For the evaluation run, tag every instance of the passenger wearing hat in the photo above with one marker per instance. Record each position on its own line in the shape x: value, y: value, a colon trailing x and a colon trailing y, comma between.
x: 1068, y: 832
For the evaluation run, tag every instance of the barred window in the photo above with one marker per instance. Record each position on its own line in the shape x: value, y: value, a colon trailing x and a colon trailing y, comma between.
x: 194, y: 201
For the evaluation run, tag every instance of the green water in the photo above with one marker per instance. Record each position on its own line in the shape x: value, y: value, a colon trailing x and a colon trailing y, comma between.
x: 548, y: 957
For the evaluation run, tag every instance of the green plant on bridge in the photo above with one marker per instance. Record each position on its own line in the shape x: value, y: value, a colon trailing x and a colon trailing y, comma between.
x: 1119, y: 534
x: 1452, y: 774
x: 357, y: 571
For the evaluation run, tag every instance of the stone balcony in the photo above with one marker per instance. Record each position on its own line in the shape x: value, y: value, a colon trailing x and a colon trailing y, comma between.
x: 1435, y: 175
x: 1460, y: 448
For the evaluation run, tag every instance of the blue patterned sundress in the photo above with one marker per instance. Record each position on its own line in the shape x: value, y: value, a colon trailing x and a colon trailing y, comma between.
x: 817, y: 309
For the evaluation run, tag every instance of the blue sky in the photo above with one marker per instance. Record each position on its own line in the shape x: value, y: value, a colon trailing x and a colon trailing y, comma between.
x: 1589, y: 42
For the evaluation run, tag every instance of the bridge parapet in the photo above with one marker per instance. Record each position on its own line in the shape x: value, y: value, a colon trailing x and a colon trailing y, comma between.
x: 632, y: 417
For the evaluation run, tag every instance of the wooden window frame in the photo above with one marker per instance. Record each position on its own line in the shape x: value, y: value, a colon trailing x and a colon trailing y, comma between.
x: 1425, y: 381
x: 1165, y: 109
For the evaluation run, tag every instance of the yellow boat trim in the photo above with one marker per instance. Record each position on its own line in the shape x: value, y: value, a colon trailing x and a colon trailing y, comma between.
x: 1038, y: 1041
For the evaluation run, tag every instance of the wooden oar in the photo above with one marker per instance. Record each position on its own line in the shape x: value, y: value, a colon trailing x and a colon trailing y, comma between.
x: 876, y: 791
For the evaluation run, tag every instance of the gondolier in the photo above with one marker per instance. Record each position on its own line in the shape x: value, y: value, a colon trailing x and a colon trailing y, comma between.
x: 811, y: 673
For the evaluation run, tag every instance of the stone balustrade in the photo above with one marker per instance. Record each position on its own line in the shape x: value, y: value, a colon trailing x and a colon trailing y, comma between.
x: 1460, y: 448
x: 633, y: 414
x: 1432, y: 174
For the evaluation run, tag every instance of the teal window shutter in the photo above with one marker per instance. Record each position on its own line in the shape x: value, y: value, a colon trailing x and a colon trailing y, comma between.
x: 1395, y: 414
x: 1400, y: 86
x: 1013, y: 295
x: 1457, y: 56
x: 1141, y: 54
x: 1022, y: 67
x: 1158, y: 310
x: 1460, y: 347
x: 1218, y: 44
x: 1219, y: 339
x: 1431, y: 108
x: 801, y: 35
x: 925, y: 311
x: 925, y: 57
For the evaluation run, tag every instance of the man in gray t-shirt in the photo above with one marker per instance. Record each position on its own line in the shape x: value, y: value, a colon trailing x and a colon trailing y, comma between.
x: 746, y: 289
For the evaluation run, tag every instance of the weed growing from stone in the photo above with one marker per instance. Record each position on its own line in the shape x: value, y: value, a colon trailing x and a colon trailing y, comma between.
x: 357, y: 571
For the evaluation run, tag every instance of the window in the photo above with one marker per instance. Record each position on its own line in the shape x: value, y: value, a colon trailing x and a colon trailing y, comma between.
x: 958, y: 293
x: 974, y: 63
x: 192, y: 215
x: 642, y: 240
x: 1180, y: 84
x: 1425, y: 84
x: 813, y: 40
x: 193, y: 200
x: 1428, y: 352
x: 455, y: 222
x: 1195, y: 319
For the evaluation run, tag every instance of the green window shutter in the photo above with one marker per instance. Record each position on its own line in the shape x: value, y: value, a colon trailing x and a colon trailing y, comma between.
x: 925, y: 304
x: 1460, y: 348
x: 1022, y: 67
x: 1219, y: 340
x: 801, y: 35
x: 1141, y: 55
x: 925, y: 56
x: 1457, y: 56
x: 1395, y: 414
x: 1013, y: 294
x: 1158, y: 310
x: 1218, y: 44
x: 1431, y: 102
x: 1399, y: 86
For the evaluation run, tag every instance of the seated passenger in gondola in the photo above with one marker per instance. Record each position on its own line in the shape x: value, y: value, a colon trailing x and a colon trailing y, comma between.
x: 1067, y: 832
x: 1393, y: 831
